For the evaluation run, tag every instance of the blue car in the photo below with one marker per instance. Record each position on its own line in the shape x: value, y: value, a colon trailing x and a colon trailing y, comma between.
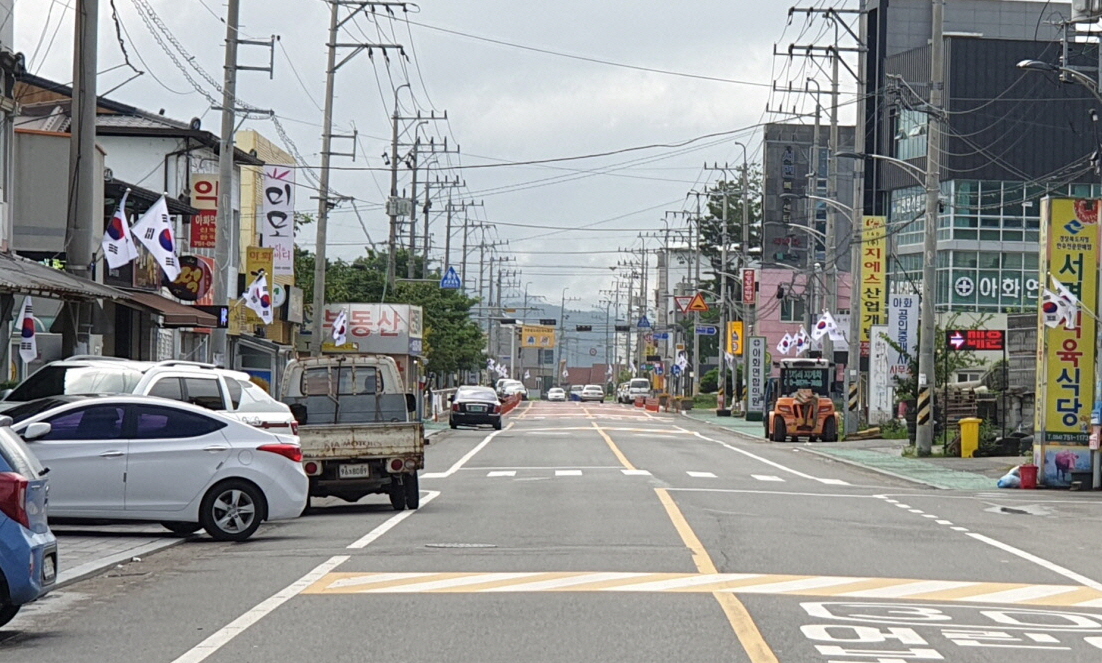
x: 28, y: 549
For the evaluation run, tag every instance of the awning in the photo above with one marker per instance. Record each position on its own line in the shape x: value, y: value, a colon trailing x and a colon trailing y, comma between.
x: 26, y: 277
x: 174, y: 314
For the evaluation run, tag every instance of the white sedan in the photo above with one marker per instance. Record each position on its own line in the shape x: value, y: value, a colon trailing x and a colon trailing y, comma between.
x: 556, y: 394
x: 153, y: 459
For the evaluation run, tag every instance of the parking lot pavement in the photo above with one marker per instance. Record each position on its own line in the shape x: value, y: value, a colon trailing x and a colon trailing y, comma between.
x: 84, y: 551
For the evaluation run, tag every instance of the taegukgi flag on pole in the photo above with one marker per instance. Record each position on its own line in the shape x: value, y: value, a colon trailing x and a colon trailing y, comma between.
x: 527, y: 375
x: 28, y: 345
x: 154, y: 231
x: 340, y: 328
x: 118, y: 246
x: 802, y: 341
x: 785, y: 344
x: 824, y: 325
x: 259, y: 299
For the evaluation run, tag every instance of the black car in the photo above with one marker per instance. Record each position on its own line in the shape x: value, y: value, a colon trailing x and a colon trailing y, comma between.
x: 472, y: 406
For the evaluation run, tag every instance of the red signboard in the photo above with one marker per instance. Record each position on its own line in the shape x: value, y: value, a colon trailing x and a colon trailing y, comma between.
x: 962, y: 340
x: 204, y: 196
x: 749, y: 291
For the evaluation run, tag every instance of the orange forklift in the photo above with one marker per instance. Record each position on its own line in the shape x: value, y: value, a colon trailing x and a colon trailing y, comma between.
x: 798, y: 404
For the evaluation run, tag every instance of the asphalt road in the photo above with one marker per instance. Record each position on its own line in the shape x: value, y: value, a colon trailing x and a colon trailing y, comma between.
x: 600, y: 532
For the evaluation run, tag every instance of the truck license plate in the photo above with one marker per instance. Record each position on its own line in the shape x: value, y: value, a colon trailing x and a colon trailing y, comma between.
x: 359, y: 471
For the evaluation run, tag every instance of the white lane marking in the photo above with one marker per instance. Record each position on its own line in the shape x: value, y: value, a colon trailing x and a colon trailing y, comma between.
x: 916, y: 511
x: 565, y: 582
x: 759, y: 458
x: 903, y: 506
x: 797, y: 585
x: 1022, y: 594
x: 1042, y: 637
x: 467, y: 456
x: 766, y: 477
x: 361, y: 581
x: 636, y: 473
x: 665, y: 436
x: 568, y: 473
x: 1039, y: 561
x: 910, y: 589
x: 548, y: 432
x: 960, y: 529
x: 222, y: 636
x: 701, y: 475
x: 944, y: 522
x: 389, y: 523
x: 835, y: 482
x: 929, y: 516
x: 543, y: 467
x: 450, y: 583
x: 502, y: 473
x: 770, y: 492
x: 682, y: 583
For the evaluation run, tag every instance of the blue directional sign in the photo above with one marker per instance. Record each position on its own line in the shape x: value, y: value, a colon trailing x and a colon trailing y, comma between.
x: 644, y: 323
x: 451, y: 280
x: 675, y: 370
x: 661, y: 336
x: 706, y: 330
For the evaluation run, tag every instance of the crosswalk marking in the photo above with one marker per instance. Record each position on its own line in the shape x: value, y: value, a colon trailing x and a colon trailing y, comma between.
x: 834, y: 482
x: 701, y: 475
x: 740, y: 583
x: 568, y: 473
x: 766, y: 477
x: 636, y: 473
x: 502, y: 473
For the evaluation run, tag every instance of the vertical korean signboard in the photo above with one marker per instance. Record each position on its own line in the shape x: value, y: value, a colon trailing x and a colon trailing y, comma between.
x: 277, y: 226
x: 880, y: 382
x: 903, y: 330
x: 755, y: 377
x: 204, y: 197
x: 256, y: 259
x: 1065, y: 374
x: 874, y: 258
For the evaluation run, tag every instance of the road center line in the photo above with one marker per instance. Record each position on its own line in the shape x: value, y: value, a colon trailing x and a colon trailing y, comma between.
x: 222, y: 636
x: 615, y: 449
x: 745, y: 629
x: 389, y: 523
x: 467, y: 456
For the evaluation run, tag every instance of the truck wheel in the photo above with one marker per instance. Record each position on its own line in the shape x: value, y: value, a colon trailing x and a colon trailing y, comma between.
x: 779, y: 432
x: 412, y: 490
x: 397, y: 494
x: 830, y: 430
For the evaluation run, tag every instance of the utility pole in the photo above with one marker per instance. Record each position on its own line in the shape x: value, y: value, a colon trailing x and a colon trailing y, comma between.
x: 697, y: 363
x: 224, y: 237
x: 724, y: 411
x: 82, y: 213
x: 326, y: 137
x: 446, y: 183
x: 413, y: 208
x: 928, y: 324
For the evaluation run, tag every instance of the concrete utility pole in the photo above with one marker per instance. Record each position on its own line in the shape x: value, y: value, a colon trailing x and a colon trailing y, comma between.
x: 830, y: 267
x: 83, y: 218
x: 226, y: 278
x: 326, y: 136
x: 928, y: 322
x: 413, y: 208
x: 697, y: 363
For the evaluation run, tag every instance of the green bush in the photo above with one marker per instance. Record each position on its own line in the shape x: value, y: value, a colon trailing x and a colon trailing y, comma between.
x: 893, y: 429
x: 709, y: 382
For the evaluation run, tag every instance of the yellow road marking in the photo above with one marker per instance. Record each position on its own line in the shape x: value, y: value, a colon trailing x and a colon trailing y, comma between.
x: 615, y: 449
x: 745, y: 629
x: 721, y: 585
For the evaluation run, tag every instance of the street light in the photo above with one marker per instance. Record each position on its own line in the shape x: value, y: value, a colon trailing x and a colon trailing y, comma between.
x: 914, y: 171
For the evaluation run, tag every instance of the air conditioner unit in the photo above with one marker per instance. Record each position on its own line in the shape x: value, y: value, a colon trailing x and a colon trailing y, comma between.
x: 1085, y: 10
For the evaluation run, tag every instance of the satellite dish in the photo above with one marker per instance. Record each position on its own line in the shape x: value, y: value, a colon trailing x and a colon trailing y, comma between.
x: 195, y: 124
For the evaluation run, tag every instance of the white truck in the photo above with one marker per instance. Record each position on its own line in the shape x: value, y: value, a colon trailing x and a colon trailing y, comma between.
x: 355, y: 428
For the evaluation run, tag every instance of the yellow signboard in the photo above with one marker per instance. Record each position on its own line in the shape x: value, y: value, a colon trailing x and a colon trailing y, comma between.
x: 874, y: 267
x: 537, y: 336
x: 735, y: 338
x: 1070, y: 241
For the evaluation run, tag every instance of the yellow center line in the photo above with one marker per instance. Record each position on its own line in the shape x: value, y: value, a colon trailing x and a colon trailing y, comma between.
x: 745, y: 629
x: 615, y: 449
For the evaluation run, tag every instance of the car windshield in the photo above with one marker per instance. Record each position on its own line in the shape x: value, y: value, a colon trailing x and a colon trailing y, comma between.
x: 640, y: 383
x: 59, y: 380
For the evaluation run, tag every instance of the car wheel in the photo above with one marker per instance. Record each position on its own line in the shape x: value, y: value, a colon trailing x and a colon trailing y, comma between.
x: 232, y: 510
x: 412, y: 490
x: 397, y: 494
x: 183, y: 529
x: 453, y: 424
x: 497, y: 425
x: 830, y: 430
x: 7, y: 612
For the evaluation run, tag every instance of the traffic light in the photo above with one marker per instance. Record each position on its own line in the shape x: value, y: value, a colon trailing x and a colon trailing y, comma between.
x: 548, y: 322
x: 583, y: 327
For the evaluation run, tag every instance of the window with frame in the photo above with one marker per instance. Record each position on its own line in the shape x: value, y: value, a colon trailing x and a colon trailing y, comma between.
x: 792, y: 310
x: 204, y: 392
x: 96, y: 422
x: 155, y: 422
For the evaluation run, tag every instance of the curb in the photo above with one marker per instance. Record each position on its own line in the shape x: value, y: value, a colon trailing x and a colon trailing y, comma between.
x: 96, y: 567
x: 871, y: 468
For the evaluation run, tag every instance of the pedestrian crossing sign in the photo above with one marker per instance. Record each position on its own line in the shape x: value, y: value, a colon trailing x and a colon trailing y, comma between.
x: 451, y: 280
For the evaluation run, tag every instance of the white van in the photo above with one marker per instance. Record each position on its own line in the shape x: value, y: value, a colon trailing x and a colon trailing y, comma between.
x: 638, y: 387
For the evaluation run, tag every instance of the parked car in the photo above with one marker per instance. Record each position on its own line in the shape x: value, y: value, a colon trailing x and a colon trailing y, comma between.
x: 516, y: 389
x: 230, y: 392
x: 474, y: 406
x: 592, y: 392
x: 556, y: 394
x: 638, y: 387
x: 144, y: 458
x: 28, y: 549
x: 576, y: 392
x: 622, y: 392
x: 507, y: 387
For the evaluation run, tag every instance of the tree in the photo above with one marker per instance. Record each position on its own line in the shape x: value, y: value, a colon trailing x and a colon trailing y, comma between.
x: 729, y: 194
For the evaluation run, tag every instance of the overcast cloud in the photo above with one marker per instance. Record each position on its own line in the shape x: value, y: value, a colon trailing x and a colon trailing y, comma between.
x: 504, y: 104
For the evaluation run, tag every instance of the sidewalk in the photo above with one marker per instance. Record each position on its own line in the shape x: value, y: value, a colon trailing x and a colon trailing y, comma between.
x: 885, y: 457
x: 87, y: 550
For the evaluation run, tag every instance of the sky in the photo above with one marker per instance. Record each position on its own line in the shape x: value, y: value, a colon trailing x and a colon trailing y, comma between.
x: 499, y: 70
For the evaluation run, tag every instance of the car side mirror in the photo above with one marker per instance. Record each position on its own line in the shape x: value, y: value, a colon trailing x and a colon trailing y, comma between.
x: 451, y: 398
x: 411, y: 403
x: 36, y: 430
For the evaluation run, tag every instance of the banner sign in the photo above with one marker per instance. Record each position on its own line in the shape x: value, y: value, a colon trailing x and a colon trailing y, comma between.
x: 372, y: 329
x: 195, y: 279
x: 1065, y: 377
x: 880, y: 382
x: 256, y: 258
x: 537, y: 336
x: 749, y: 286
x: 756, y: 375
x: 903, y: 330
x: 874, y: 263
x: 204, y: 197
x: 277, y: 223
x: 735, y: 337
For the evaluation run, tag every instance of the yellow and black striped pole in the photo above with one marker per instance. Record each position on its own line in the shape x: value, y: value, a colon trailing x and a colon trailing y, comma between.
x: 852, y: 398
x: 924, y: 406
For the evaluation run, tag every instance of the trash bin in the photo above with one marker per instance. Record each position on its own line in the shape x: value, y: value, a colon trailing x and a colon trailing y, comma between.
x: 969, y: 436
x: 1028, y: 473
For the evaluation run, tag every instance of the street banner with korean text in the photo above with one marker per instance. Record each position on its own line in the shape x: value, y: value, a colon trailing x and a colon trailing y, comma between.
x: 537, y: 336
x: 874, y: 267
x: 277, y: 222
x: 756, y: 374
x: 1065, y: 377
x: 903, y: 330
x: 880, y: 382
x: 204, y: 197
x: 257, y: 259
x: 394, y: 329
